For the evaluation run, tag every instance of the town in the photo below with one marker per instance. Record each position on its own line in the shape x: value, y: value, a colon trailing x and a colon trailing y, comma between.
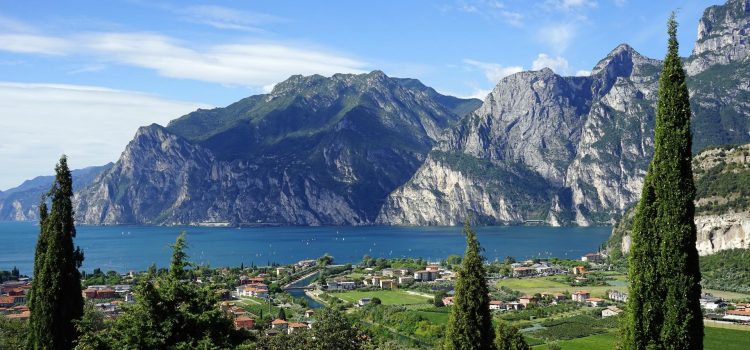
x: 550, y: 300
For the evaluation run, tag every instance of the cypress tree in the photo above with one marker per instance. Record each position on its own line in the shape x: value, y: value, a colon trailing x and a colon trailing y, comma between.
x: 663, y: 307
x: 55, y: 300
x: 470, y: 322
x: 675, y: 193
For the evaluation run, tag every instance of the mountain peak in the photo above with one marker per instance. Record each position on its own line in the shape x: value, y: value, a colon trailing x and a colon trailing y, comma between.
x: 619, y: 61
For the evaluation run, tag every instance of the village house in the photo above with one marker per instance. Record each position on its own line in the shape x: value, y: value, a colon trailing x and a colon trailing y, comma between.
x: 343, y: 285
x: 244, y: 322
x: 309, y: 313
x: 253, y: 290
x: 448, y: 301
x: 595, y: 302
x: 579, y: 270
x: 580, y: 296
x: 553, y: 296
x: 251, y: 280
x: 388, y: 272
x: 387, y: 284
x: 523, y: 271
x: 617, y: 295
x: 405, y: 280
x: 514, y: 306
x: 298, y: 326
x: 363, y: 302
x: 280, y: 271
x: 425, y: 276
x: 402, y: 272
x: 279, y: 324
x: 22, y: 316
x: 593, y: 258
x: 98, y: 292
x: 7, y: 301
x: 737, y: 315
x: 496, y: 305
x: 526, y: 300
x: 611, y: 311
x: 432, y: 268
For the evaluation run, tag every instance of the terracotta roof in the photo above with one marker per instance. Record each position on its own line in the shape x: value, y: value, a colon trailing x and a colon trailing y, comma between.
x: 496, y: 302
x: 279, y: 321
x: 7, y: 300
x: 298, y: 325
x: 25, y: 314
x: 244, y: 319
x: 581, y: 292
x: 738, y: 312
x: 595, y: 299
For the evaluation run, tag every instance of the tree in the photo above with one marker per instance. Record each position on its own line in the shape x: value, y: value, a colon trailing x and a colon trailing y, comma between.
x: 55, y: 300
x: 508, y: 337
x: 282, y: 314
x: 333, y: 331
x: 470, y: 322
x: 376, y: 301
x: 15, y: 273
x: 437, y: 300
x: 663, y: 307
x: 172, y: 313
x: 13, y: 334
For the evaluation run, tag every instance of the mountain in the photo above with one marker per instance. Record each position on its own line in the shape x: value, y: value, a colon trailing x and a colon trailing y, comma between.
x: 313, y: 151
x: 722, y: 182
x: 21, y: 203
x: 561, y: 150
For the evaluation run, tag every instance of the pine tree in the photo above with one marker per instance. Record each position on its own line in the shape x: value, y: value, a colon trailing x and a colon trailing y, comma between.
x: 55, y: 301
x: 663, y: 307
x: 470, y: 322
x: 282, y: 314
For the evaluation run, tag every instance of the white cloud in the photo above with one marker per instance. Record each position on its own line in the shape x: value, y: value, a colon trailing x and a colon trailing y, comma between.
x: 621, y: 3
x: 227, y: 18
x: 34, y: 44
x: 558, y: 64
x: 491, y: 10
x: 572, y: 4
x: 583, y: 73
x: 493, y: 71
x: 247, y: 64
x: 89, y: 124
x: 557, y: 36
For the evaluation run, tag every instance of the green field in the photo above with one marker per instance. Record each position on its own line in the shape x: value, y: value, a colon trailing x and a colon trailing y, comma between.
x: 716, y: 339
x: 387, y: 297
x: 439, y: 316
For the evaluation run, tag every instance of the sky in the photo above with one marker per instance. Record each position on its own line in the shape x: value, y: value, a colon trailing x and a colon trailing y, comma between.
x: 79, y: 77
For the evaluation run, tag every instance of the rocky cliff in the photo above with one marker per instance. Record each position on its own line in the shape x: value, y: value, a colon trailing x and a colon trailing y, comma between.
x: 722, y: 181
x: 314, y: 151
x: 584, y: 142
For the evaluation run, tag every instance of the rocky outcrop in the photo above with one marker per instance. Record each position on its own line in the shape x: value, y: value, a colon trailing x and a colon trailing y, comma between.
x: 723, y: 36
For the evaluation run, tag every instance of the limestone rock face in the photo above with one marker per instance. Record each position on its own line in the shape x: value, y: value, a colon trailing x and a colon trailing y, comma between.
x: 723, y: 36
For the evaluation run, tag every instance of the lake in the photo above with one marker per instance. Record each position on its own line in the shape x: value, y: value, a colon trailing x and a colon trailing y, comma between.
x: 125, y: 248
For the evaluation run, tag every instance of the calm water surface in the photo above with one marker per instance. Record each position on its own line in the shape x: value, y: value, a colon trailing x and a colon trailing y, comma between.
x: 125, y: 248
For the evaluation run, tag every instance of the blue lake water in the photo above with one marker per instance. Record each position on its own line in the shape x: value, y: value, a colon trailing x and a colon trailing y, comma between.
x: 125, y: 248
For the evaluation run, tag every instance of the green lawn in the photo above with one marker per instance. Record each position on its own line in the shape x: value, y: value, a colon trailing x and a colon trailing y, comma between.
x: 439, y: 316
x: 716, y: 339
x: 387, y: 297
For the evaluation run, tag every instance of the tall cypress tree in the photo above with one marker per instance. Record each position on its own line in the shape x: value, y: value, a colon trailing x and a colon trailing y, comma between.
x: 663, y: 307
x: 56, y: 300
x: 470, y: 323
x: 675, y: 193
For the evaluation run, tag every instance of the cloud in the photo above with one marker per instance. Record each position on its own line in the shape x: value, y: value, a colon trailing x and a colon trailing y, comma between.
x: 558, y: 64
x: 34, y: 44
x: 583, y: 73
x: 571, y: 4
x: 557, y: 36
x: 252, y: 64
x: 489, y: 9
x: 493, y: 71
x: 227, y: 18
x: 89, y: 124
x: 621, y: 3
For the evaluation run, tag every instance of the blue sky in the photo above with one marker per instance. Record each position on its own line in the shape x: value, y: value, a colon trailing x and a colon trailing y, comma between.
x: 79, y: 77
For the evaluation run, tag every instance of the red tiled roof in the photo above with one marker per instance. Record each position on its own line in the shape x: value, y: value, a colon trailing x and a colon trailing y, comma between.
x: 7, y: 300
x: 298, y: 325
x: 738, y: 312
x: 279, y: 321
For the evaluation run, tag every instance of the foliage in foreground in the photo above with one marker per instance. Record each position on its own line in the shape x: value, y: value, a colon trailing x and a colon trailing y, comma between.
x: 168, y: 313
